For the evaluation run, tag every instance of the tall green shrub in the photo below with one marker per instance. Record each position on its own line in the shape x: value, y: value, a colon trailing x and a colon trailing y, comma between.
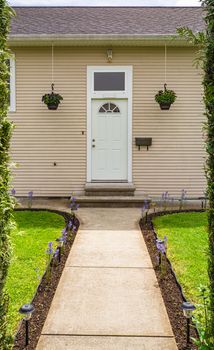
x: 208, y: 83
x: 205, y: 57
x: 6, y: 202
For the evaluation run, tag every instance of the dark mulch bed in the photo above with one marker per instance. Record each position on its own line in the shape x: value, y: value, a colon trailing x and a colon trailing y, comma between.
x: 45, y: 293
x: 171, y: 291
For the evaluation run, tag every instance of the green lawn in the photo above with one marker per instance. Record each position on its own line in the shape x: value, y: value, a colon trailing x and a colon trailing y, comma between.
x: 29, y: 242
x: 187, y: 248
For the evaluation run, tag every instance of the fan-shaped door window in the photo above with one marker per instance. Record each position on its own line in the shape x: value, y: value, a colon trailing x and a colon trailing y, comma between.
x: 109, y: 107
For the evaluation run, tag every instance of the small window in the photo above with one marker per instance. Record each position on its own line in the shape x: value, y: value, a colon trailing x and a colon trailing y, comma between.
x: 11, y: 85
x: 109, y: 108
x: 109, y: 81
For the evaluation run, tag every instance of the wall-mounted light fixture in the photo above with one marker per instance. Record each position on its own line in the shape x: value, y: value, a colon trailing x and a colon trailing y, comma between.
x: 109, y: 55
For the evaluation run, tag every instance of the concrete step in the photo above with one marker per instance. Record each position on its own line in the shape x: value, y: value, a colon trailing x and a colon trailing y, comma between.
x: 111, y: 201
x: 109, y: 189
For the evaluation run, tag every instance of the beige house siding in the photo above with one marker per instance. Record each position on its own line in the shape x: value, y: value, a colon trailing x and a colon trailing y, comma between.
x: 42, y: 137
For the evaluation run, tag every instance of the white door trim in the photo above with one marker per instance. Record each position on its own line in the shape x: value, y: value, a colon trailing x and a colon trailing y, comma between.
x: 91, y: 94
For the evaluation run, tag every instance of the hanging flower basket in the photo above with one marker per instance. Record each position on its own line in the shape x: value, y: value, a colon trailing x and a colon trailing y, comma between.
x: 52, y: 100
x: 165, y: 98
x: 164, y: 106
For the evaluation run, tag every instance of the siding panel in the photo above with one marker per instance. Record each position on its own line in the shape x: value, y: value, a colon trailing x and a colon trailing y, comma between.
x: 42, y: 137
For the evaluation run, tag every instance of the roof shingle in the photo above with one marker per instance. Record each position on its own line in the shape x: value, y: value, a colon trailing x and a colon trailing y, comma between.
x: 105, y: 20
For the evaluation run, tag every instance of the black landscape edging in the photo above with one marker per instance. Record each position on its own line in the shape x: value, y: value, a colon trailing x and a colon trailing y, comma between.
x: 67, y: 217
x: 148, y: 220
x: 167, y: 259
x: 169, y: 212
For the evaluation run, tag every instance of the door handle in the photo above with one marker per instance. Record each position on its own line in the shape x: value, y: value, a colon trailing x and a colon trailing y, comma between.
x: 93, y: 146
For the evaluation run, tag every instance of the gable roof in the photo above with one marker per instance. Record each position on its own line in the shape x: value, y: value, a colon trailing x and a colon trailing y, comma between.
x: 104, y: 20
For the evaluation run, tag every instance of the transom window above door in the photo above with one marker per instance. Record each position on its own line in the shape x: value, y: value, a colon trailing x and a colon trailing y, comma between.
x: 109, y: 108
x: 109, y: 81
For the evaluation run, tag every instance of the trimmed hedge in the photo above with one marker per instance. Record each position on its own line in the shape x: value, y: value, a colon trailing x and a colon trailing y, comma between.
x: 6, y: 201
x: 208, y: 83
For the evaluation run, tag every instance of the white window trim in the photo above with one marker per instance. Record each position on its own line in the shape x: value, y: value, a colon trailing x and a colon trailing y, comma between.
x: 12, y: 107
x: 91, y: 94
x: 109, y: 94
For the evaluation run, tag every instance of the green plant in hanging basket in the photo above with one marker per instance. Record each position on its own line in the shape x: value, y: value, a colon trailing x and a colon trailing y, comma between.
x: 52, y: 100
x: 165, y: 98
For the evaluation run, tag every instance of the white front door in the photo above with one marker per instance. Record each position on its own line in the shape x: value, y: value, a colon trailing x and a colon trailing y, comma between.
x: 109, y: 140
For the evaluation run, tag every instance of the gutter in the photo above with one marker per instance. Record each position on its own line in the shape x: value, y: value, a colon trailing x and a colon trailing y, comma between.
x: 96, y: 39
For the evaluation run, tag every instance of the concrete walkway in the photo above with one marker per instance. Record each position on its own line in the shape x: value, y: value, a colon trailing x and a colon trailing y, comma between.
x: 108, y: 297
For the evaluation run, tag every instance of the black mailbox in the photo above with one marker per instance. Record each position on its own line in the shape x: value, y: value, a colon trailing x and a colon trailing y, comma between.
x: 143, y: 141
